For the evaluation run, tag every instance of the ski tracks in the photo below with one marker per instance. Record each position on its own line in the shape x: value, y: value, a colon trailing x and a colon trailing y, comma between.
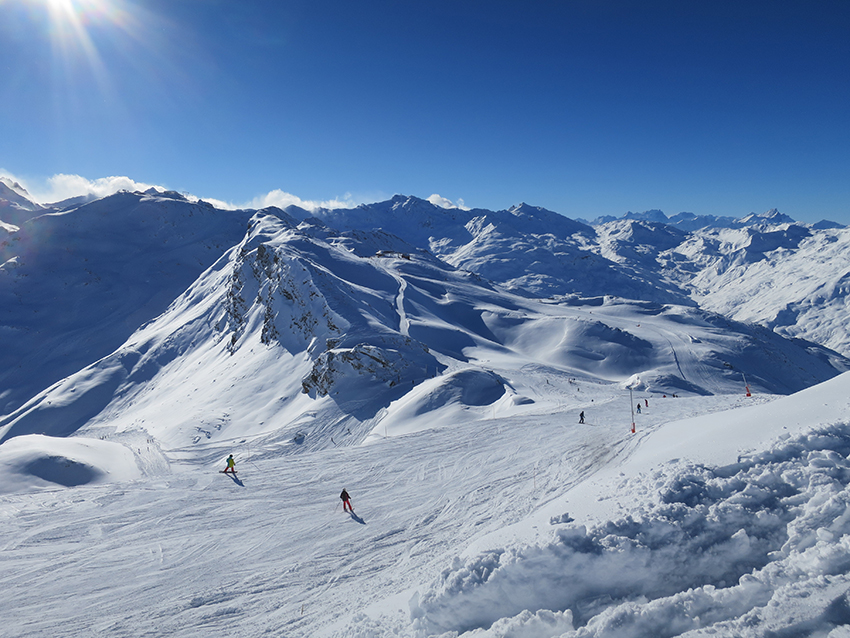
x: 403, y: 322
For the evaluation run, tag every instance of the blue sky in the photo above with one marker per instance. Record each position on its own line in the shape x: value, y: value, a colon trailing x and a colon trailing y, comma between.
x: 584, y: 107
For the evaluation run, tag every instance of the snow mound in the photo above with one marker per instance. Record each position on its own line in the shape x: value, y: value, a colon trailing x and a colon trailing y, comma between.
x: 444, y: 401
x: 35, y: 461
x: 469, y: 387
x: 712, y: 546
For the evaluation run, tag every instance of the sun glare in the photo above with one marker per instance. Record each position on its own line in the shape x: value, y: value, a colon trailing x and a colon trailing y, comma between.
x: 82, y: 32
x: 71, y: 19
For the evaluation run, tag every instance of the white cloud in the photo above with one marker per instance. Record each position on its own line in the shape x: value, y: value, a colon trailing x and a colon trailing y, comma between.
x: 443, y: 202
x: 282, y: 199
x: 62, y: 186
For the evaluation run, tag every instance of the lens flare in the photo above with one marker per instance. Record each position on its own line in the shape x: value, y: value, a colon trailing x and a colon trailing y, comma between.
x: 73, y: 24
x: 98, y: 57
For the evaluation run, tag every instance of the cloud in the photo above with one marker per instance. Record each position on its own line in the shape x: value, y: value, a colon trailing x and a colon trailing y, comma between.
x: 442, y: 202
x: 282, y: 199
x: 62, y: 186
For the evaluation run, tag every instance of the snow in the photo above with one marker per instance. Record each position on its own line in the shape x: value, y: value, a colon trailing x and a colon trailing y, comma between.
x: 324, y: 354
x: 697, y: 534
x: 36, y: 461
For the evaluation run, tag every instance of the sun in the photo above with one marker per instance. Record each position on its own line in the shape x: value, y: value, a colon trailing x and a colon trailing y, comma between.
x: 60, y: 5
x: 72, y: 21
x: 75, y: 17
x: 77, y: 28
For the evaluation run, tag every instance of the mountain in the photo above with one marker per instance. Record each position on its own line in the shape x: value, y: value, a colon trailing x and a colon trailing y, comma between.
x: 683, y: 221
x: 15, y: 205
x: 787, y: 276
x: 361, y: 317
x: 773, y: 216
x: 71, y: 202
x: 75, y: 285
x: 434, y: 362
x: 528, y: 250
x: 791, y: 278
x: 402, y: 290
x: 638, y: 259
x: 691, y: 222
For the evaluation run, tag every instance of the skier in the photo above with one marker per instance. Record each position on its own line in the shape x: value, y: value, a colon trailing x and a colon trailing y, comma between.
x: 638, y: 406
x: 346, y: 501
x: 581, y: 417
x: 231, y: 465
x: 646, y: 401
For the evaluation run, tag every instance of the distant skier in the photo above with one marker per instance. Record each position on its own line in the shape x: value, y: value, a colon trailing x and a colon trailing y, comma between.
x: 346, y: 501
x: 638, y: 410
x: 231, y: 465
x: 581, y: 417
x: 646, y: 401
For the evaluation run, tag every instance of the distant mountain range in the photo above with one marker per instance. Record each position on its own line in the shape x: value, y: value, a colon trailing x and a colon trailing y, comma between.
x: 690, y: 221
x: 115, y: 309
x: 764, y: 269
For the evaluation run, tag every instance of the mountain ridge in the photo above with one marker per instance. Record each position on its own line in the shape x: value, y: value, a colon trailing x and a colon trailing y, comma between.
x: 395, y: 314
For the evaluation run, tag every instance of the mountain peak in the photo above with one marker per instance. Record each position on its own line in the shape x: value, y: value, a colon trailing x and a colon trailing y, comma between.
x: 773, y: 216
x: 15, y: 205
x: 653, y: 215
x: 13, y: 185
x: 527, y: 209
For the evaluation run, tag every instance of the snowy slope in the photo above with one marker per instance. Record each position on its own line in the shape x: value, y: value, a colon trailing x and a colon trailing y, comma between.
x: 16, y: 206
x: 503, y: 527
x: 75, y: 285
x: 300, y: 320
x: 790, y: 278
x: 786, y: 276
x: 525, y: 248
x: 762, y: 268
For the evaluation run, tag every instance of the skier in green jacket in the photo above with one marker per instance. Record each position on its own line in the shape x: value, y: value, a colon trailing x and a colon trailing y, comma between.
x: 231, y: 465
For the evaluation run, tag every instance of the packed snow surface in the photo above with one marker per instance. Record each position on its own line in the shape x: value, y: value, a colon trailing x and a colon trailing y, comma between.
x: 721, y: 515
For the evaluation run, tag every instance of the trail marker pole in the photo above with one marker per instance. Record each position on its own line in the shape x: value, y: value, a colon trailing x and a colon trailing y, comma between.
x: 250, y: 456
x: 746, y: 385
x: 632, y: 406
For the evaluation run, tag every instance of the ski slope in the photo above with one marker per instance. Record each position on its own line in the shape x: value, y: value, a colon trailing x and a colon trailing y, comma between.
x: 442, y: 515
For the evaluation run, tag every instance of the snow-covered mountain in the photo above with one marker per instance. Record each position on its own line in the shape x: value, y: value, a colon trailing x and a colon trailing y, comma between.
x: 788, y: 277
x: 757, y: 258
x: 75, y: 285
x: 435, y: 361
x: 16, y: 206
x: 689, y: 221
x: 525, y: 249
x: 97, y: 317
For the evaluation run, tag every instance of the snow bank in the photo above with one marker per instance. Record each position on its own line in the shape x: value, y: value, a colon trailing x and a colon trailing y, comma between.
x: 34, y: 461
x: 724, y: 547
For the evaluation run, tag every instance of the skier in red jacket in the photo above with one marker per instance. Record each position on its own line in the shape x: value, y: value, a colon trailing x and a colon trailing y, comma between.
x: 346, y: 501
